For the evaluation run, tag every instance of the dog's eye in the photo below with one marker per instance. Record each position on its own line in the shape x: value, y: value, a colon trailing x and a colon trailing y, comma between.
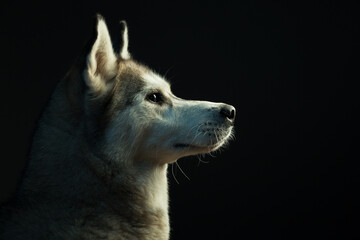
x: 154, y: 97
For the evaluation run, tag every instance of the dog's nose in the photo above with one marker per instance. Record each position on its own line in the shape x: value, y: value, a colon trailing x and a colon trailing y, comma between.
x: 228, y: 112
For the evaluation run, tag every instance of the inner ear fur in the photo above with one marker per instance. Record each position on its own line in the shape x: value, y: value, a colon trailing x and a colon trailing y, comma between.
x: 101, y: 62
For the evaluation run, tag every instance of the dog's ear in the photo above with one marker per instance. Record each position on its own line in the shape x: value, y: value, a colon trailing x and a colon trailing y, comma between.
x: 124, y: 42
x: 101, y: 63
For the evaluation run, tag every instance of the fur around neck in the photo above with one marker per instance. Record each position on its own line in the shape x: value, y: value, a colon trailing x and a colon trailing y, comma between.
x: 69, y: 192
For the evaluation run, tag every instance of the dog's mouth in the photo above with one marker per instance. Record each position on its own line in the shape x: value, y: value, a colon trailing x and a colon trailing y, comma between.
x: 212, y: 141
x: 181, y: 145
x: 199, y: 148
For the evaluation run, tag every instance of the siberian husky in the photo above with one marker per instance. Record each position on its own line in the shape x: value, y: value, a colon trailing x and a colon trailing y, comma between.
x: 98, y: 163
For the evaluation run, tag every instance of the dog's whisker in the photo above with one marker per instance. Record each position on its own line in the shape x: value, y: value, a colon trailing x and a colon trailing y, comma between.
x: 191, y: 130
x: 173, y: 174
x: 197, y: 130
x: 167, y: 71
x: 197, y: 134
x: 210, y: 153
x: 200, y: 160
x: 182, y: 170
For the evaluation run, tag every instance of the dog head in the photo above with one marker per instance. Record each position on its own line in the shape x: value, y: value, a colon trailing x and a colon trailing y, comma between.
x: 133, y: 114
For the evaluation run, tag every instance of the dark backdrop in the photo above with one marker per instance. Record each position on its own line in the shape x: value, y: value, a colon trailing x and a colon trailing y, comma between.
x: 289, y: 69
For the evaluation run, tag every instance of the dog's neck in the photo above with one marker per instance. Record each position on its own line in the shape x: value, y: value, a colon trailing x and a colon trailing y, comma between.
x: 133, y: 198
x: 83, y: 187
x: 138, y: 195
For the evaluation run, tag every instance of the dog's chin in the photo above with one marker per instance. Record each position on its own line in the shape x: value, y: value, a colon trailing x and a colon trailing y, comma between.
x: 194, y: 149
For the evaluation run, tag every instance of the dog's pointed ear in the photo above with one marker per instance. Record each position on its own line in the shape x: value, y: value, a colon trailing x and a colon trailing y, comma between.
x: 101, y: 63
x: 124, y: 44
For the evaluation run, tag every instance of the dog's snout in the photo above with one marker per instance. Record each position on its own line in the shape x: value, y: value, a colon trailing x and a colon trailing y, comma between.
x: 228, y: 112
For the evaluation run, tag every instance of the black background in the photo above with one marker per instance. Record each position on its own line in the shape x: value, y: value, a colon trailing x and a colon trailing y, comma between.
x: 291, y: 70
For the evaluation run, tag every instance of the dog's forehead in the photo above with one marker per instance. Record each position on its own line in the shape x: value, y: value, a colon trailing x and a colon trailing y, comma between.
x: 145, y: 77
x: 154, y: 81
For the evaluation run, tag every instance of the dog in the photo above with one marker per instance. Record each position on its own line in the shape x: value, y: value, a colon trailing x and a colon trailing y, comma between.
x: 99, y: 157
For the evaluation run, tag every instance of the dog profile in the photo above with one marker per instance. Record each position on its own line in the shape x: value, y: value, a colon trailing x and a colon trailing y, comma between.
x: 98, y: 162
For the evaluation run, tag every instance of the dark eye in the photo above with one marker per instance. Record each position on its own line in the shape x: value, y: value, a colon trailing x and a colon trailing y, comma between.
x: 154, y: 97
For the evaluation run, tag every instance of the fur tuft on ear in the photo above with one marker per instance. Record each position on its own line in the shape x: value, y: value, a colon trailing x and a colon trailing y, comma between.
x: 124, y: 53
x: 101, y: 60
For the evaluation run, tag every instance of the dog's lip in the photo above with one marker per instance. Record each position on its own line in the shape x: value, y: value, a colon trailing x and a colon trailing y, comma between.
x: 182, y: 145
x: 194, y: 146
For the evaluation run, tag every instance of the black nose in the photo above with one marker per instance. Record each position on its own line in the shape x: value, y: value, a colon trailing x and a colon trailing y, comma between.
x: 229, y: 112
